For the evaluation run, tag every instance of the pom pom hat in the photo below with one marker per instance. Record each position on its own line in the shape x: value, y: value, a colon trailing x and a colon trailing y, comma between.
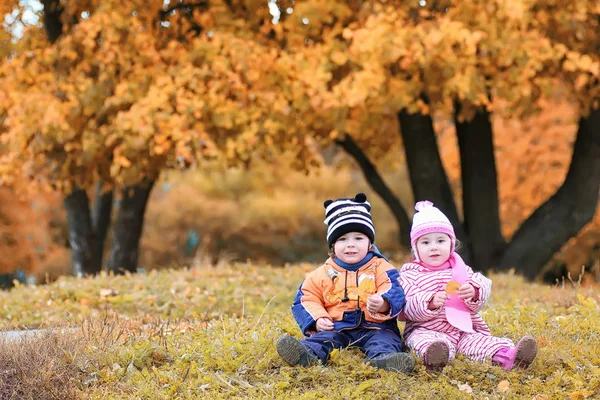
x: 348, y: 215
x: 429, y: 219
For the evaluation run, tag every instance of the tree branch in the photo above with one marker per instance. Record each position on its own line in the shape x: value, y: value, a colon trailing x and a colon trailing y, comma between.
x: 376, y: 182
x: 186, y: 7
x: 51, y: 17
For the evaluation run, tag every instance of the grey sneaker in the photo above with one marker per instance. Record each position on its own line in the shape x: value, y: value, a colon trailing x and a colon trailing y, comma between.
x: 436, y: 356
x: 294, y: 353
x: 397, y: 362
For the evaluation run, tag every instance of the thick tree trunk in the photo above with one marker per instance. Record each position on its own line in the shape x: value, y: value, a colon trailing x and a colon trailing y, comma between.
x: 101, y: 216
x: 563, y: 215
x: 81, y: 234
x: 427, y: 175
x: 479, y: 189
x: 376, y: 182
x: 128, y: 228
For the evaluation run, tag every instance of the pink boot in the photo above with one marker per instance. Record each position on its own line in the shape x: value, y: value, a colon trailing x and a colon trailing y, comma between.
x: 519, y: 356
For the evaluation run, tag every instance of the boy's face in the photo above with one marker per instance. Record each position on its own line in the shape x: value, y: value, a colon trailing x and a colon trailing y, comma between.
x: 434, y: 248
x: 351, y: 247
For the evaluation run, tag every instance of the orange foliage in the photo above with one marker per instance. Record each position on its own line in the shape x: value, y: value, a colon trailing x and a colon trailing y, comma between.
x: 121, y: 95
x: 16, y: 244
x: 573, y: 25
x: 31, y: 232
x: 135, y: 87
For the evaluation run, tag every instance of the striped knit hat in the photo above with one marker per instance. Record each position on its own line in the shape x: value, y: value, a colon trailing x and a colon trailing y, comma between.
x: 429, y: 219
x: 348, y: 215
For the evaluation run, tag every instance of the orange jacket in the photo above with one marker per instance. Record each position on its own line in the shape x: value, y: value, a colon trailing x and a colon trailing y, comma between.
x: 334, y: 292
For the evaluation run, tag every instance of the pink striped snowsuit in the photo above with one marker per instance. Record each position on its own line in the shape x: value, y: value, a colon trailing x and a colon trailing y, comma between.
x: 424, y: 326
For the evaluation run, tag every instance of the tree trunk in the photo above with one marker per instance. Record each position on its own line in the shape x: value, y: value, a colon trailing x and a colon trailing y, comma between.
x: 479, y: 189
x: 376, y: 182
x: 101, y: 216
x: 81, y: 235
x: 427, y: 175
x: 563, y: 215
x: 128, y: 227
x: 51, y: 17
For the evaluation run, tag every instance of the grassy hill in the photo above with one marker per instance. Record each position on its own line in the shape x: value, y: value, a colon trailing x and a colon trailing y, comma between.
x: 210, y: 332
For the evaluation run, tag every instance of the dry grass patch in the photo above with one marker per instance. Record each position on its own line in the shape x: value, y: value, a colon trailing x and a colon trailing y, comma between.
x: 43, y: 365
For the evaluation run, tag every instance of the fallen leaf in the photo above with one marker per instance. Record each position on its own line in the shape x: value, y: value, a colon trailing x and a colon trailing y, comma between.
x: 108, y: 292
x: 131, y: 369
x: 334, y: 355
x: 465, y: 388
x: 365, y: 385
x: 581, y: 394
x: 504, y: 386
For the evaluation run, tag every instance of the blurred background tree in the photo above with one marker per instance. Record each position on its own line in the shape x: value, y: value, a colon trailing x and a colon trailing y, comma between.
x: 104, y: 97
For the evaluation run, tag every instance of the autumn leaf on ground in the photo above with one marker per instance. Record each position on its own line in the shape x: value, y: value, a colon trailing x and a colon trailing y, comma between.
x: 504, y: 386
x: 464, y: 387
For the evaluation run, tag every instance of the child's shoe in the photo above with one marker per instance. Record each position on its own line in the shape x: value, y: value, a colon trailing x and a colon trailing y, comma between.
x: 294, y: 353
x: 436, y: 356
x: 397, y: 362
x: 522, y: 355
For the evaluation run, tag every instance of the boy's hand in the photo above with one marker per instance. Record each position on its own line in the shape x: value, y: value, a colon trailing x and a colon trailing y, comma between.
x: 438, y: 300
x: 324, y: 324
x: 466, y: 291
x: 377, y: 304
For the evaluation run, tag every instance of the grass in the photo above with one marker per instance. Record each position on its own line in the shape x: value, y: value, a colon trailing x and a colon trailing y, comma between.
x: 40, y: 367
x: 210, y: 332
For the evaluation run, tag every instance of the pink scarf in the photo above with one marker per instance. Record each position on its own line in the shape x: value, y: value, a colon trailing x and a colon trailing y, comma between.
x: 457, y: 312
x: 451, y: 262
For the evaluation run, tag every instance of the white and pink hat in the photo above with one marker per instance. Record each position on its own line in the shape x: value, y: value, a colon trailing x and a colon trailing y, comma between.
x: 429, y: 219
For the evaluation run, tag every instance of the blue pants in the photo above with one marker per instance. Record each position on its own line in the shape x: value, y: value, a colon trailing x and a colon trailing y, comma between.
x: 373, y: 342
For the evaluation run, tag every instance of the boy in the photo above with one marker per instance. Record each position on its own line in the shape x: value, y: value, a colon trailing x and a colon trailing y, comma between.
x: 353, y: 299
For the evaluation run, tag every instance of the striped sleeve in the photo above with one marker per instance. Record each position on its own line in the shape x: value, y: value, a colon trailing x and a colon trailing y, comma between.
x: 416, y: 307
x: 418, y: 298
x: 483, y: 288
x: 308, y: 306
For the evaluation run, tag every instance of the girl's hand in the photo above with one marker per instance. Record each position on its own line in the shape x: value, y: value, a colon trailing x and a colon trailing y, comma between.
x: 466, y: 291
x: 438, y: 300
x: 324, y: 324
x: 377, y: 304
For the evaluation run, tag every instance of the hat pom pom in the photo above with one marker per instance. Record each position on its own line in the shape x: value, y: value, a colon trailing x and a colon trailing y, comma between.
x: 423, y: 204
x: 360, y: 198
x: 326, y: 203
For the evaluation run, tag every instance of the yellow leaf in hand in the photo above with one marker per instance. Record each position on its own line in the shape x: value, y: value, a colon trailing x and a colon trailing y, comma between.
x: 452, y: 287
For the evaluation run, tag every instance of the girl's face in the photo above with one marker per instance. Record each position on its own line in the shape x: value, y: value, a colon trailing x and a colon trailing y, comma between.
x: 351, y: 247
x: 434, y: 248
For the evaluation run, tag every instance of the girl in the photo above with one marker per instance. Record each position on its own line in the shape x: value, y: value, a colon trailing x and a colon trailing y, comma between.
x: 444, y: 297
